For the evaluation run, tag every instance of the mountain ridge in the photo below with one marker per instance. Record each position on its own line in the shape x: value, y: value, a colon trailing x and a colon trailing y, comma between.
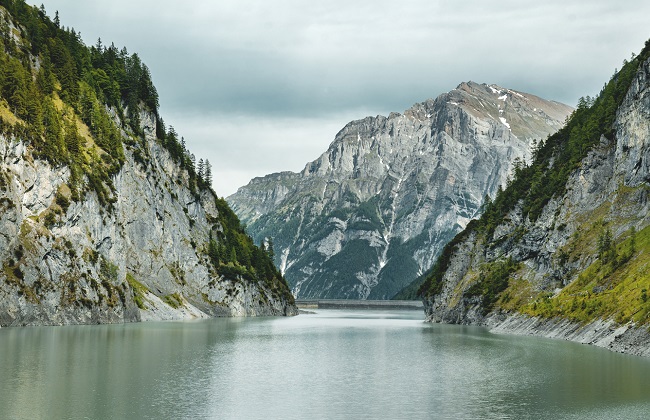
x: 562, y: 252
x: 373, y: 186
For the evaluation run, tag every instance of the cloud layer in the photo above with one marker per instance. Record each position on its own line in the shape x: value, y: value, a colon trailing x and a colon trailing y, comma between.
x: 253, y: 69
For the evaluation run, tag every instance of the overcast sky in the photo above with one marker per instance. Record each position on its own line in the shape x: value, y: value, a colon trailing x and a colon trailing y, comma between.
x: 263, y: 86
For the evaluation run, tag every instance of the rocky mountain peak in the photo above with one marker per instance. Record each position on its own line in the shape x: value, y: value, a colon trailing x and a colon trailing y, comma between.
x: 412, y: 179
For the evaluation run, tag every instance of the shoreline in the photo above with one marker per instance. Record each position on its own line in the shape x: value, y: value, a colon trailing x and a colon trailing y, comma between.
x: 627, y: 339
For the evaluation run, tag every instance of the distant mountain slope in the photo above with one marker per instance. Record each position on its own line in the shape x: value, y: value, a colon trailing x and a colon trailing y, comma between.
x: 564, y: 251
x: 374, y: 211
x: 103, y: 216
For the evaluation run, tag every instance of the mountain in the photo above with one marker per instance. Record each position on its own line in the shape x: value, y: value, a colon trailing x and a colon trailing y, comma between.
x: 103, y: 216
x: 563, y: 251
x: 373, y: 211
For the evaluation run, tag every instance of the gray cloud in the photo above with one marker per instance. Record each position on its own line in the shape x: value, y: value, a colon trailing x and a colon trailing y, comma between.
x: 292, y: 63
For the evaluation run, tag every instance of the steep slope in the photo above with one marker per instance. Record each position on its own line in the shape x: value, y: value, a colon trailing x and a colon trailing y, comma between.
x: 563, y: 252
x: 374, y: 210
x: 103, y: 217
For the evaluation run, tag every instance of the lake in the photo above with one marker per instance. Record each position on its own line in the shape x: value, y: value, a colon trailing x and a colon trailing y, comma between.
x: 357, y: 364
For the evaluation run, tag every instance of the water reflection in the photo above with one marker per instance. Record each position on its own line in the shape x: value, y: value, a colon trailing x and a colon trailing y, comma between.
x: 334, y: 364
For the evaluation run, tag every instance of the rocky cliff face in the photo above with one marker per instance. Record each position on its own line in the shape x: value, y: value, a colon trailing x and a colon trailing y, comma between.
x: 373, y: 211
x: 103, y: 215
x: 579, y: 269
x: 143, y: 260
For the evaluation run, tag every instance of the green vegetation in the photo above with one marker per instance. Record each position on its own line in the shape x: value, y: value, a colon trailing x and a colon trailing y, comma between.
x: 533, y: 186
x: 494, y: 278
x: 139, y: 291
x: 70, y: 102
x: 15, y: 277
x: 108, y: 275
x: 81, y: 107
x: 62, y: 200
x: 401, y: 260
x: 233, y: 253
x: 411, y: 292
x: 54, y: 103
x: 609, y: 288
x: 556, y: 158
x: 174, y: 300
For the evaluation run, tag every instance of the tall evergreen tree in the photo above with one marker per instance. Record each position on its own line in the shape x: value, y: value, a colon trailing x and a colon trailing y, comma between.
x: 207, y: 173
x: 200, y: 168
x: 72, y: 140
x: 44, y: 78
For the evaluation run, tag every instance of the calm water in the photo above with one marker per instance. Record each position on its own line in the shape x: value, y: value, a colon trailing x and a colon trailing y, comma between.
x: 333, y: 364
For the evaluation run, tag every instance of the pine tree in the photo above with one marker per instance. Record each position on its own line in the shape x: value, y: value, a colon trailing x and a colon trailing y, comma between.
x: 207, y: 173
x: 72, y: 140
x: 172, y: 139
x: 53, y: 146
x: 15, y: 87
x: 200, y: 169
x: 44, y: 78
x: 34, y: 108
x: 606, y: 246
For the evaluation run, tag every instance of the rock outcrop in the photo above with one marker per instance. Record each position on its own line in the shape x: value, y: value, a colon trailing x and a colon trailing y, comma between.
x: 143, y: 260
x: 103, y: 217
x: 580, y: 265
x: 374, y: 211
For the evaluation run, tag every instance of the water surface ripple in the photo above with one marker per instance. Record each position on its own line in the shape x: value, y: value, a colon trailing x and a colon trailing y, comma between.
x: 330, y: 365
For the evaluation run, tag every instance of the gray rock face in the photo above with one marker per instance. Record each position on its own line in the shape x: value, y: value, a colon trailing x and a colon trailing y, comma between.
x: 145, y: 260
x: 609, y: 187
x: 373, y: 211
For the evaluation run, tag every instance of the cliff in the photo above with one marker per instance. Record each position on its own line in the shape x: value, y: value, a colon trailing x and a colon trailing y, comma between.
x: 563, y: 252
x: 374, y: 211
x: 102, y: 218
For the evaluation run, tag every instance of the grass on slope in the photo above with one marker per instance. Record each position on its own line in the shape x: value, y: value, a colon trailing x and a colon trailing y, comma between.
x: 614, y: 286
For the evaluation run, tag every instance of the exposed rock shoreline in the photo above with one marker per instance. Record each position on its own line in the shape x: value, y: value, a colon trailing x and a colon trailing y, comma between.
x: 628, y: 339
